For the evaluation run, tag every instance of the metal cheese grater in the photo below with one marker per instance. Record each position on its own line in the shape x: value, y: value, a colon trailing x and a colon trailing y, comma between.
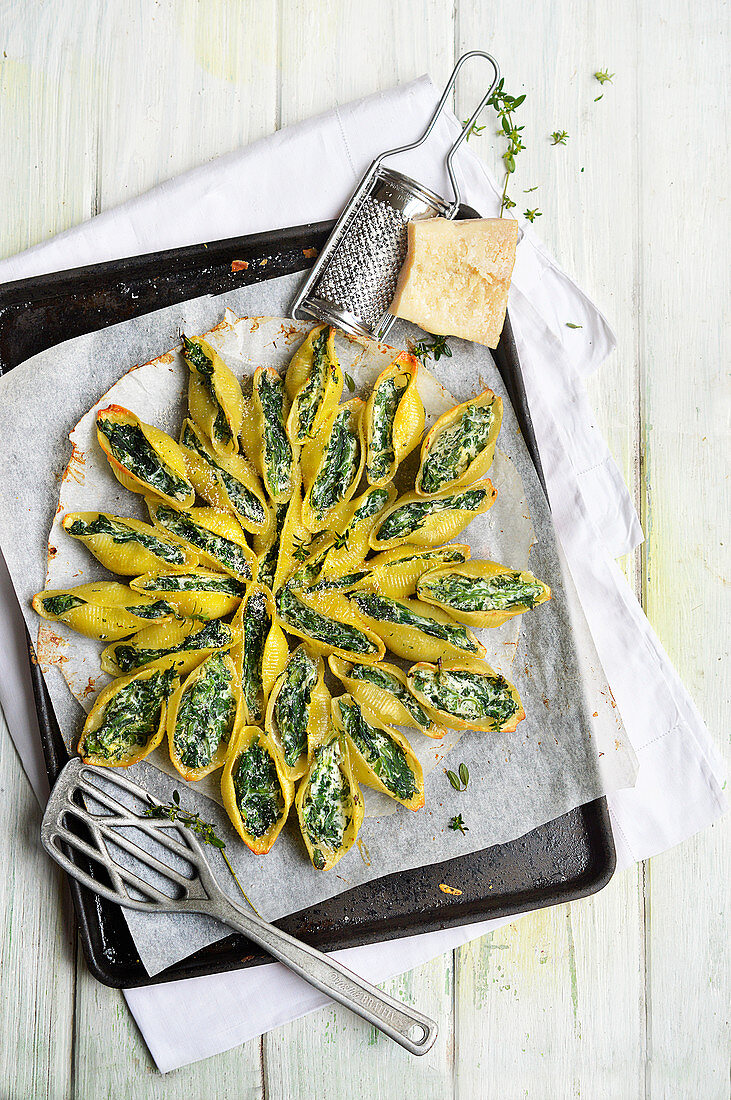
x: 354, y: 279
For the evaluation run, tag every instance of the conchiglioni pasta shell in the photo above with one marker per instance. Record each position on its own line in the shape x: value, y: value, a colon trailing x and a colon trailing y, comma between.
x: 207, y: 520
x: 193, y: 774
x: 315, y: 711
x: 199, y: 599
x: 363, y: 771
x: 409, y: 641
x: 323, y: 856
x: 450, y: 719
x: 313, y: 383
x: 245, y: 738
x: 479, y: 570
x: 316, y: 461
x: 396, y: 572
x: 110, y: 610
x: 436, y: 527
x: 130, y: 558
x: 190, y: 639
x: 383, y: 703
x: 268, y: 663
x: 166, y: 450
x: 216, y: 403
x: 405, y: 428
x: 473, y: 468
x: 227, y: 481
x: 262, y: 422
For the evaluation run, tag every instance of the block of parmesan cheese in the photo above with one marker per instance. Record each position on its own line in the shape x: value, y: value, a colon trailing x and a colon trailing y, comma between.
x: 456, y: 277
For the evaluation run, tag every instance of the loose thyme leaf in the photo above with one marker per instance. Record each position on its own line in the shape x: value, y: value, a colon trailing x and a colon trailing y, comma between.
x: 349, y: 381
x: 604, y: 76
x: 454, y: 780
x: 528, y: 190
x: 559, y: 137
x: 570, y: 324
x: 531, y: 215
x: 474, y: 129
x: 457, y: 822
x: 464, y: 774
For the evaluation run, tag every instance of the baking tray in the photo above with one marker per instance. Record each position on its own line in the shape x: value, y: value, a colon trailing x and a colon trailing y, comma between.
x: 565, y: 859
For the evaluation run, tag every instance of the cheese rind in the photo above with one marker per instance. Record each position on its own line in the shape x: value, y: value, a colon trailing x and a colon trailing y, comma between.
x: 456, y: 277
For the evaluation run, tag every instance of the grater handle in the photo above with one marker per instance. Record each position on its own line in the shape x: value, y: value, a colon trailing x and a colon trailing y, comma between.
x: 432, y: 122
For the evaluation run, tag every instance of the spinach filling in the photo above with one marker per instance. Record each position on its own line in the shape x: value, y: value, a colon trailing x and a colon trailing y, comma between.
x: 241, y: 497
x: 410, y: 517
x: 467, y: 695
x: 383, y: 755
x: 497, y: 593
x: 121, y: 534
x: 292, y: 706
x: 375, y: 502
x: 205, y: 715
x: 372, y: 674
x: 330, y: 632
x: 131, y: 717
x: 329, y: 798
x: 339, y: 466
x: 196, y: 356
x: 131, y: 448
x: 309, y: 400
x: 457, y: 447
x: 268, y: 561
x: 160, y: 609
x: 193, y: 582
x: 277, y: 448
x: 386, y: 610
x: 381, y: 455
x: 339, y: 583
x: 258, y: 793
x: 59, y: 605
x: 257, y: 623
x: 227, y: 553
x: 214, y: 635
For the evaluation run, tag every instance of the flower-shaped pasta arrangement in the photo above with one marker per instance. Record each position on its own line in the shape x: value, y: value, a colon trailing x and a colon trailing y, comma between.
x: 278, y: 551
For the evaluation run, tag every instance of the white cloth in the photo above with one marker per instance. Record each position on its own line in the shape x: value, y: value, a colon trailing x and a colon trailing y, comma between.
x: 303, y: 174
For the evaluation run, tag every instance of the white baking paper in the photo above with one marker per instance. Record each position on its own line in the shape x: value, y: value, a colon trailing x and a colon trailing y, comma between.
x: 518, y: 781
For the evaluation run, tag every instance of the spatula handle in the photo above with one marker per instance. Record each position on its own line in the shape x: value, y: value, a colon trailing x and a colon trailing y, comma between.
x: 411, y: 1029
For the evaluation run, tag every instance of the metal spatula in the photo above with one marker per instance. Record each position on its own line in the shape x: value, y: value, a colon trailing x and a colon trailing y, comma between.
x: 82, y: 797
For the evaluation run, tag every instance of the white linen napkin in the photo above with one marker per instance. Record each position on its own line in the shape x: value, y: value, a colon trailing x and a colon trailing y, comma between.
x: 678, y: 789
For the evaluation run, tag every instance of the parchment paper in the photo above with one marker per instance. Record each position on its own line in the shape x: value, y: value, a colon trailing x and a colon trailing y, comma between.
x: 518, y: 780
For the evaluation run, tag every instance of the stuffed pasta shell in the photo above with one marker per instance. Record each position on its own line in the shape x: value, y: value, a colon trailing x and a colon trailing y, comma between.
x: 127, y: 720
x: 199, y: 594
x: 394, y: 419
x: 412, y: 629
x: 329, y: 803
x: 105, y: 610
x: 314, y: 384
x: 215, y: 536
x: 264, y: 436
x: 201, y: 718
x: 467, y: 694
x: 259, y: 651
x: 298, y: 711
x: 482, y: 593
x: 331, y: 627
x: 380, y: 756
x: 460, y: 446
x: 227, y: 481
x: 256, y: 793
x: 193, y: 640
x: 434, y: 520
x: 127, y: 546
x: 143, y: 458
x: 383, y: 690
x: 396, y: 572
x: 215, y: 400
x: 332, y: 466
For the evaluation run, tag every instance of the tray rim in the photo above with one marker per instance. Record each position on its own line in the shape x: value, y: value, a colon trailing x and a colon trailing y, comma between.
x: 45, y: 287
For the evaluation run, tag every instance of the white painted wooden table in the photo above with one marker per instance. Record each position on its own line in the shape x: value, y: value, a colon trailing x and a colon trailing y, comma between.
x: 623, y: 995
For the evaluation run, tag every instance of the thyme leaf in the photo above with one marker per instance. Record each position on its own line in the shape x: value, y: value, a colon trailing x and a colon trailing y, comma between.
x: 459, y: 782
x: 558, y: 137
x: 604, y: 76
x: 439, y: 347
x: 457, y: 822
x: 531, y: 215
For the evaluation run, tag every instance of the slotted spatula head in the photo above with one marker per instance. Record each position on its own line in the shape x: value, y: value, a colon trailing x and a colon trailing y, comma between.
x: 86, y: 828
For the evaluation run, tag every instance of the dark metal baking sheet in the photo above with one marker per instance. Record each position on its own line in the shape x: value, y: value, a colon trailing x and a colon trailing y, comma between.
x: 565, y: 859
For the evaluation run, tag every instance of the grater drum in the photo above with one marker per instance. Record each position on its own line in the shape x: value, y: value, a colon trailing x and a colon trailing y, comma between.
x: 353, y: 282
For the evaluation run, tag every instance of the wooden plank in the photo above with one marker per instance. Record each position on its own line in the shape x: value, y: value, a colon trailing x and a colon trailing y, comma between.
x: 111, y: 1060
x: 37, y: 947
x: 685, y: 414
x: 549, y: 1005
x: 332, y: 1054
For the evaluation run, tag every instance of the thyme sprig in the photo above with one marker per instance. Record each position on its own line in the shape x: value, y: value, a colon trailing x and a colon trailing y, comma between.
x: 173, y: 811
x: 301, y: 551
x: 474, y: 129
x: 439, y: 347
x: 559, y: 137
x: 457, y: 822
x: 505, y: 106
x: 531, y: 215
x: 604, y: 76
